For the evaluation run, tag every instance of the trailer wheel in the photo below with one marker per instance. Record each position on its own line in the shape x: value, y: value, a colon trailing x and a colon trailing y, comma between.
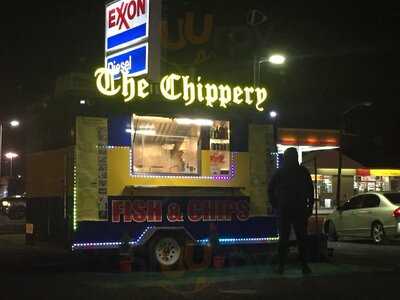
x: 167, y: 252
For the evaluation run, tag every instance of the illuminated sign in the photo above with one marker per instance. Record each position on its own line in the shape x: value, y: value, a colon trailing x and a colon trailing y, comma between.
x: 179, y: 88
x: 194, y: 210
x: 385, y: 172
x: 127, y: 22
x: 132, y: 61
x: 176, y: 87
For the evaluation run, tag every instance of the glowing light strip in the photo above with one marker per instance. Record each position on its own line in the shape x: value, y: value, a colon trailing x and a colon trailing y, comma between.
x: 96, y: 245
x: 141, y: 236
x: 223, y: 241
x: 75, y: 191
x: 228, y: 241
x: 239, y: 240
x: 232, y: 171
x: 277, y: 162
x: 110, y: 244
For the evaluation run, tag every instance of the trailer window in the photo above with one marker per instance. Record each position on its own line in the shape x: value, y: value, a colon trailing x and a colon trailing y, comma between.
x: 220, y: 148
x: 165, y: 145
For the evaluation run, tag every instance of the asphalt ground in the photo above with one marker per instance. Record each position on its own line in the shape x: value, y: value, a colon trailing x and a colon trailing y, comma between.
x: 8, y: 226
x: 328, y: 281
x: 357, y: 270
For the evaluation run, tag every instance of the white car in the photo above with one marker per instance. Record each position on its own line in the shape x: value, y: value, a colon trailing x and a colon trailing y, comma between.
x: 370, y: 215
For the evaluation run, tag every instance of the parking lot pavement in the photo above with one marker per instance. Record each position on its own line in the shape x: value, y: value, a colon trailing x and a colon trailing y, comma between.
x: 357, y: 270
x: 328, y: 281
x: 15, y: 255
x: 229, y: 274
x: 364, y: 252
x: 8, y: 226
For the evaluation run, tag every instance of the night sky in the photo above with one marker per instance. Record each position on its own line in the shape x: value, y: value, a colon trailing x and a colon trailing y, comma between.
x: 339, y: 54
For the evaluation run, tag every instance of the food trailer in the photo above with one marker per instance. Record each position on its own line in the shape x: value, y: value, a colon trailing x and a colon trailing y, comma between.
x: 170, y: 179
x: 152, y: 165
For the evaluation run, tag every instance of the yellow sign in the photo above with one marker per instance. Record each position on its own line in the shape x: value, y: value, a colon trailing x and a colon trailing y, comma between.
x: 176, y: 87
x: 384, y: 172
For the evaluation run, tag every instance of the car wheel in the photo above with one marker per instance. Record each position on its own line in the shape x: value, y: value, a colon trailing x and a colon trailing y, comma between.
x: 378, y: 233
x: 331, y: 231
x: 167, y: 252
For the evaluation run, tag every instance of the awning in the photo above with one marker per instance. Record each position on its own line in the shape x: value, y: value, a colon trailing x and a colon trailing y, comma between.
x: 308, y: 137
x: 329, y: 159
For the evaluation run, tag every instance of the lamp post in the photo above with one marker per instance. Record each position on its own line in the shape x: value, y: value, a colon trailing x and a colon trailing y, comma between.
x: 12, y: 123
x: 273, y: 115
x: 340, y: 154
x: 11, y: 156
x: 275, y: 59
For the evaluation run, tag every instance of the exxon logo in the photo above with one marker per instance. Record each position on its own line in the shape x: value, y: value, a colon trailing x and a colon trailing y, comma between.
x: 125, y: 12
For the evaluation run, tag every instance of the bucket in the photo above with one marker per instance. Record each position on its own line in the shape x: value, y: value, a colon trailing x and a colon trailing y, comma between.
x: 125, y: 265
x: 218, y: 262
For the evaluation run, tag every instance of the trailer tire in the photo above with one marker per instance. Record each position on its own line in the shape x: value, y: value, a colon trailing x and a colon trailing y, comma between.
x: 167, y: 252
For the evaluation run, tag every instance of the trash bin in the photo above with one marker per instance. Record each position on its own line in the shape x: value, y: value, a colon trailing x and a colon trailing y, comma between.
x: 218, y: 261
x: 125, y: 264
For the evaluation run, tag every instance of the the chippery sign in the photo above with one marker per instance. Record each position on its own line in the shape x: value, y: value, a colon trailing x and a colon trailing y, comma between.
x: 195, y: 210
x: 127, y: 23
x: 175, y: 87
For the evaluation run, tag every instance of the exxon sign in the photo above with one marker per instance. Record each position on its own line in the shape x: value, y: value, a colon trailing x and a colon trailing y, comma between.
x: 127, y: 23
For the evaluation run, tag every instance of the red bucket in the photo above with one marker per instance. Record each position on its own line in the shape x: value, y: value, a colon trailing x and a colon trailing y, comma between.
x: 218, y: 262
x: 125, y: 265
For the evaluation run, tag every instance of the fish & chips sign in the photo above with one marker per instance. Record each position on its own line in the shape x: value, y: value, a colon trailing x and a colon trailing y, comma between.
x: 174, y: 87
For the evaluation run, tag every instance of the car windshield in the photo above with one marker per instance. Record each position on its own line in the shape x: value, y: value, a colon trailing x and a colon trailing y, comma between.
x: 393, y: 197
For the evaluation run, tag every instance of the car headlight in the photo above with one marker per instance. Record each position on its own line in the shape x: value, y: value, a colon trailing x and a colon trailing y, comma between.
x: 6, y: 203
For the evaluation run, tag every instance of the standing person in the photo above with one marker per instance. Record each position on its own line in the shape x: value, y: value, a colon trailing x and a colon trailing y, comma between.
x: 291, y: 193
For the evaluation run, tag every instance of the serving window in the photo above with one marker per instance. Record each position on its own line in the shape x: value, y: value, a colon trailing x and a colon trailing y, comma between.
x: 165, y: 145
x: 172, y: 145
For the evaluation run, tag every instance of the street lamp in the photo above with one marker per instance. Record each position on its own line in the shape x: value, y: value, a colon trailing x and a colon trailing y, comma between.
x: 11, y: 156
x: 277, y: 59
x: 340, y: 154
x: 12, y: 123
x: 273, y: 115
x: 274, y: 59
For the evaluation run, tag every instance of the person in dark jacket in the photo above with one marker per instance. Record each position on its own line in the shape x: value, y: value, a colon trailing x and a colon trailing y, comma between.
x: 291, y: 193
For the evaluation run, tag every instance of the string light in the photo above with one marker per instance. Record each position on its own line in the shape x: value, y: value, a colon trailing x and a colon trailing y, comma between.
x: 136, y: 242
x: 202, y: 242
x: 232, y: 171
x: 246, y: 240
x: 231, y: 241
x: 74, y: 217
x: 277, y: 161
